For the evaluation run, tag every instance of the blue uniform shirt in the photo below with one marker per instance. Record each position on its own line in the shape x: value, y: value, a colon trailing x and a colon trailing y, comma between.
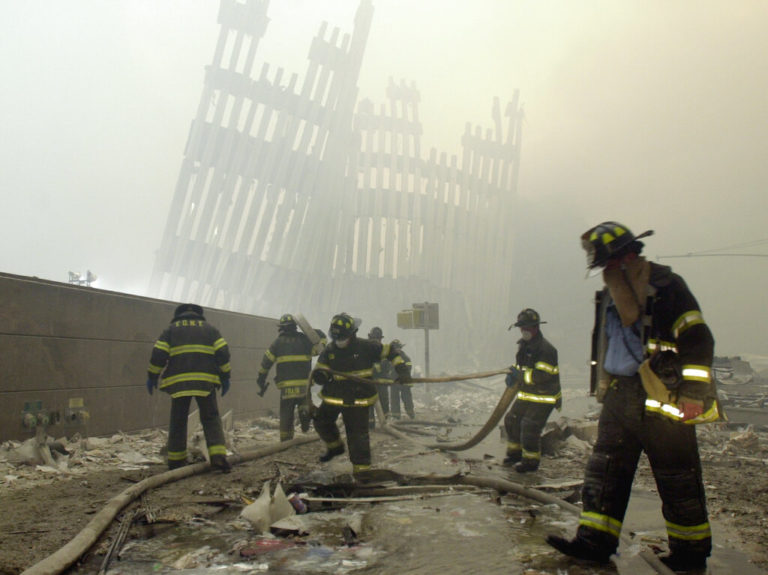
x: 625, y: 345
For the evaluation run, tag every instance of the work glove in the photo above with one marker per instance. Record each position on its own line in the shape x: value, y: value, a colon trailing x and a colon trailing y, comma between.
x: 262, y: 383
x: 690, y: 409
x: 321, y: 377
x: 513, y: 376
x: 559, y: 404
x: 224, y: 386
x: 151, y: 385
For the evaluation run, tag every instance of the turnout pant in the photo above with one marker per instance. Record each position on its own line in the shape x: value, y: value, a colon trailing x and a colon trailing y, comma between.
x: 625, y: 430
x: 400, y: 391
x: 288, y: 408
x: 356, y: 425
x: 177, y: 432
x: 524, y: 423
x: 383, y: 393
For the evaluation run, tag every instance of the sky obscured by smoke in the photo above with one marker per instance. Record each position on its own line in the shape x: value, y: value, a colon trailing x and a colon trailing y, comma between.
x: 651, y: 113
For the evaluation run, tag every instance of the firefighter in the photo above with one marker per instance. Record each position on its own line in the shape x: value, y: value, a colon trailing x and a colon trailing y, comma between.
x: 193, y: 359
x: 401, y: 391
x: 649, y: 334
x: 382, y: 371
x: 538, y: 376
x: 348, y: 354
x: 292, y: 351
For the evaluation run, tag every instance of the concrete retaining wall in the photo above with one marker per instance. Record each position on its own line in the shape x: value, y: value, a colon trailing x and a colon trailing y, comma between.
x: 67, y: 351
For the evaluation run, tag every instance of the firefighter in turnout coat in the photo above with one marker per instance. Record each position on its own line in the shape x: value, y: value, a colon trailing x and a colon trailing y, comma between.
x: 193, y: 360
x: 383, y: 372
x: 652, y: 357
x: 538, y: 376
x: 292, y: 353
x: 353, y: 356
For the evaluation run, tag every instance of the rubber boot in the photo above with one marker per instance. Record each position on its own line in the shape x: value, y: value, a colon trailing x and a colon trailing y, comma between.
x: 176, y: 464
x: 512, y: 458
x: 685, y: 562
x: 579, y: 549
x: 331, y: 453
x: 220, y: 462
x: 527, y: 465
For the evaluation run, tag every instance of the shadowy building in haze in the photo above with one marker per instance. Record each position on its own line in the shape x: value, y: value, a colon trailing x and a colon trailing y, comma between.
x: 295, y: 195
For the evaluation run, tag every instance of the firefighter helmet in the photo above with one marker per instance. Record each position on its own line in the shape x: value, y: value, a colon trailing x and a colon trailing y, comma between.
x: 287, y: 322
x: 342, y: 326
x: 610, y: 240
x: 396, y: 344
x: 376, y: 333
x: 528, y: 318
x: 188, y: 307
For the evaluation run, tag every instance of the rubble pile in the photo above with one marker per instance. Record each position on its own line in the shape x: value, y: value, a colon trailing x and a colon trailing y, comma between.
x: 739, y: 384
x: 22, y: 465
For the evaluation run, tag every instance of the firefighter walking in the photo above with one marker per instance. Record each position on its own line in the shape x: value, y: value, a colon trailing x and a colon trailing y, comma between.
x: 350, y: 356
x: 291, y: 352
x: 193, y: 359
x: 537, y: 374
x: 652, y: 357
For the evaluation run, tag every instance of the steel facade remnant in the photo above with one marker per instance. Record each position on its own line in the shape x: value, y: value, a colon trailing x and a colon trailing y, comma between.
x: 295, y: 195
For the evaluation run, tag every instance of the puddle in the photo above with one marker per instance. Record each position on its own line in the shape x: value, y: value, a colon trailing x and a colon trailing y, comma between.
x: 453, y: 533
x: 440, y: 533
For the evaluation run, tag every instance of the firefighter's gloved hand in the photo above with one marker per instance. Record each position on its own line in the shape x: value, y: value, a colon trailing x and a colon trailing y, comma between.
x: 224, y: 386
x: 261, y: 381
x: 151, y: 385
x: 321, y: 377
x: 559, y: 403
x: 690, y: 410
x: 513, y: 376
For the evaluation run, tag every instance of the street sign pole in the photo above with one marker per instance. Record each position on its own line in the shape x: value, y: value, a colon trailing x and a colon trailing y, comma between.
x: 426, y: 351
x: 424, y: 316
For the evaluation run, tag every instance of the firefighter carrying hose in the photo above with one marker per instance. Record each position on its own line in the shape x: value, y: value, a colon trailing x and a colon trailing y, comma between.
x: 401, y: 392
x: 652, y: 357
x: 348, y: 354
x: 292, y: 351
x: 384, y: 372
x: 538, y: 376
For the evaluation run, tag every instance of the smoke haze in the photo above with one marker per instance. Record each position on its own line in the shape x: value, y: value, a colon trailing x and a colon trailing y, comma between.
x: 651, y: 113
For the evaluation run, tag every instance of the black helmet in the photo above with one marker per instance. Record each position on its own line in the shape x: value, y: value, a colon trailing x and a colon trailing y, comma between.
x: 342, y: 326
x: 287, y: 323
x: 610, y: 240
x: 527, y: 318
x: 187, y: 308
x: 396, y: 344
x: 376, y: 333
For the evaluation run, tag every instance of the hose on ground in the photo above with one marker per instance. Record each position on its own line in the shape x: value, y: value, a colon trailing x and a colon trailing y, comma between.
x: 509, y: 486
x: 501, y: 407
x: 67, y: 555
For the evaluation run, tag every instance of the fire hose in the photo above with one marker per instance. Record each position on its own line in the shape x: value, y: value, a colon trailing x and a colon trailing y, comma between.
x: 66, y: 556
x: 493, y: 420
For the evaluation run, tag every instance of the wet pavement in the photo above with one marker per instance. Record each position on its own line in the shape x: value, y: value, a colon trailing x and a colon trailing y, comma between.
x: 441, y: 530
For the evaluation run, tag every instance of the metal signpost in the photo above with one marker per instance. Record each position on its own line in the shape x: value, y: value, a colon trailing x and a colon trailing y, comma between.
x: 424, y: 316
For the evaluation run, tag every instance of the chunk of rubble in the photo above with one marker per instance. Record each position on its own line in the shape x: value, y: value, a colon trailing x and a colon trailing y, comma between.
x: 280, y: 507
x: 746, y: 441
x: 257, y: 513
x: 291, y: 526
